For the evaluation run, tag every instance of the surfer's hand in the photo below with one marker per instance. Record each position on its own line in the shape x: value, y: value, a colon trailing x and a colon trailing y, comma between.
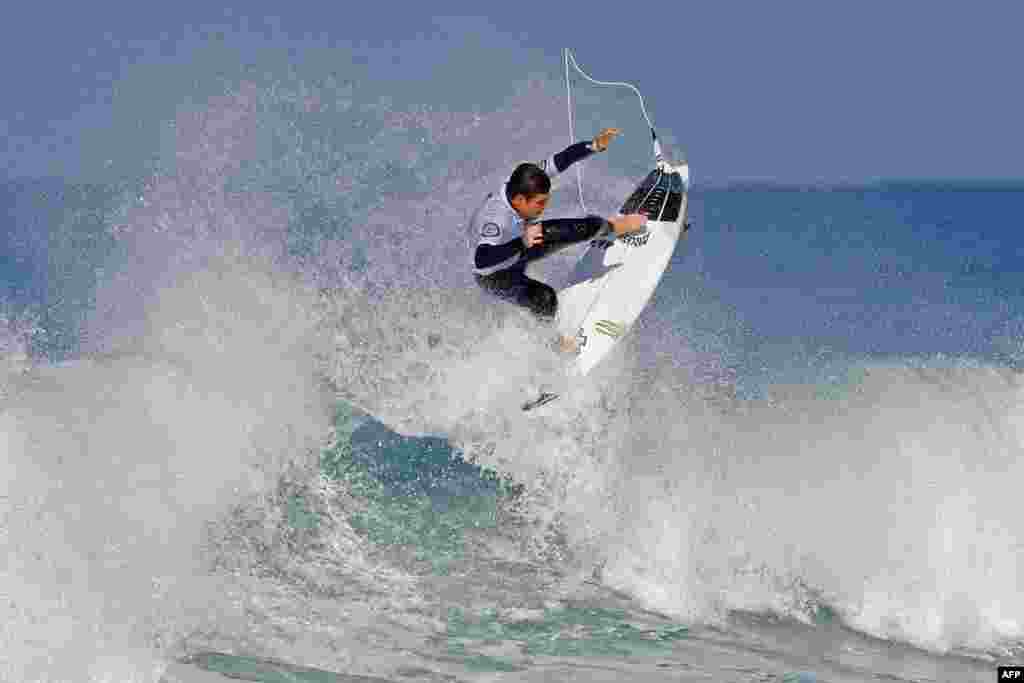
x: 600, y: 143
x: 633, y: 222
x: 533, y: 235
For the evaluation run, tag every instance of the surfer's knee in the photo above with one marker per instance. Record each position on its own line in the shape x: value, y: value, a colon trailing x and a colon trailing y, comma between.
x: 543, y: 301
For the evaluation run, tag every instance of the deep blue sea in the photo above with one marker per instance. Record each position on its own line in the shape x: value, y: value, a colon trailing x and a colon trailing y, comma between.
x: 256, y: 421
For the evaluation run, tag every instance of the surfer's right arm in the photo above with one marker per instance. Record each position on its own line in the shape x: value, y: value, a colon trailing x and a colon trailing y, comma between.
x: 570, y: 230
x: 490, y: 256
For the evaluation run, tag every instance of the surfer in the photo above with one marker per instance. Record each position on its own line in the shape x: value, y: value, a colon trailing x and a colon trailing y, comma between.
x: 509, y: 233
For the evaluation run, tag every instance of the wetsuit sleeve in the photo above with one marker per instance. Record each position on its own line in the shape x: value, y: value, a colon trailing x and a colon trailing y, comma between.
x: 571, y: 154
x: 571, y: 230
x: 488, y: 255
x: 567, y: 157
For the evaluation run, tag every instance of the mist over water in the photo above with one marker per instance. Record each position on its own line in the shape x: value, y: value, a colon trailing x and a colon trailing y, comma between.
x: 291, y: 233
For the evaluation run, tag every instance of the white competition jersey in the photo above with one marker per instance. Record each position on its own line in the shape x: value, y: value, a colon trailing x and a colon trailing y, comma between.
x: 496, y: 222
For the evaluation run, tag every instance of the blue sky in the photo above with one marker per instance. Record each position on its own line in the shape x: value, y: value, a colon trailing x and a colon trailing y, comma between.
x: 786, y: 91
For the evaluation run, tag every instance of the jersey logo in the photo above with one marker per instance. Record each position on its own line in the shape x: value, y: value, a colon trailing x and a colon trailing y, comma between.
x: 490, y: 230
x: 610, y: 328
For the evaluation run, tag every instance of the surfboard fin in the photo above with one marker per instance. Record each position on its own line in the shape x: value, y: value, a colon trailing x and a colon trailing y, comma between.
x: 544, y: 398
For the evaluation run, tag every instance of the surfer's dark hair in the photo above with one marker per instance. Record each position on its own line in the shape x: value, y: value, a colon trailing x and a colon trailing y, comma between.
x: 528, y: 180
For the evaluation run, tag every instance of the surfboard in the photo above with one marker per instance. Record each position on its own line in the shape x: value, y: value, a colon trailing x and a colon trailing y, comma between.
x: 616, y: 276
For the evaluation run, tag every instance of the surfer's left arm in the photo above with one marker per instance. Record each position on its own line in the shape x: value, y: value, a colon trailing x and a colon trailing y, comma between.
x: 578, y: 151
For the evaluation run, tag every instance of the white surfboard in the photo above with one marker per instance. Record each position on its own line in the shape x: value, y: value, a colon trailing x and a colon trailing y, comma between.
x: 615, y: 277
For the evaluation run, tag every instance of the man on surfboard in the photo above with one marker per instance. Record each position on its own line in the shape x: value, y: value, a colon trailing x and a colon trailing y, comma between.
x: 509, y: 233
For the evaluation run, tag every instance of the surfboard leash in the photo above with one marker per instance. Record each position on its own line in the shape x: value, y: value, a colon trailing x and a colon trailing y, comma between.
x: 658, y: 155
x: 570, y: 57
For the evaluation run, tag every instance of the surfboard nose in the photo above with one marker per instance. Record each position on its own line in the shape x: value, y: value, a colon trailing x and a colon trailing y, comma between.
x: 683, y: 170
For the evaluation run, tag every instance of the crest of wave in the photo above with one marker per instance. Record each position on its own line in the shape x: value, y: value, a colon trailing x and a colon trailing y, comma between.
x: 197, y: 398
x: 889, y: 505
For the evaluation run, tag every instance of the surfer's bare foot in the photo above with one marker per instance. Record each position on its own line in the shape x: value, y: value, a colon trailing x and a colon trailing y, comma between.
x: 633, y: 222
x: 568, y: 345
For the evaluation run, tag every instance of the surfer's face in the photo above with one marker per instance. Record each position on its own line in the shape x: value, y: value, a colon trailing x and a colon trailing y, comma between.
x: 530, y: 208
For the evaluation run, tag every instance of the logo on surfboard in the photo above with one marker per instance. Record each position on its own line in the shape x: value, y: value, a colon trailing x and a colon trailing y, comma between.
x: 630, y: 240
x: 636, y: 240
x: 610, y: 328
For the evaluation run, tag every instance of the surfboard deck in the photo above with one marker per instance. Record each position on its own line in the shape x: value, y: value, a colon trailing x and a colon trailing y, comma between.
x: 616, y: 276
